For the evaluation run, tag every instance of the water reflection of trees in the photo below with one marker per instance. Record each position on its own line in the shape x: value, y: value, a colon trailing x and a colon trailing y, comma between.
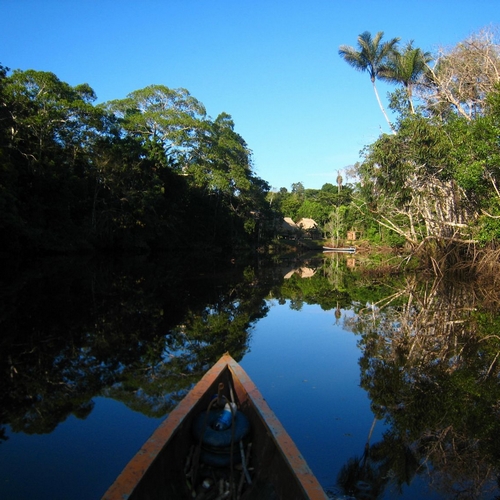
x: 430, y: 366
x: 138, y: 330
x: 143, y: 331
x: 331, y: 286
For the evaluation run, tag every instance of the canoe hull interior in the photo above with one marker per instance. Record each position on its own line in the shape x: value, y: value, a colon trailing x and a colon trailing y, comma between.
x: 158, y: 470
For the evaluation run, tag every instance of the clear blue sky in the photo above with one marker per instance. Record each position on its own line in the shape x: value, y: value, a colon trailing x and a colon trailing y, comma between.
x: 273, y: 65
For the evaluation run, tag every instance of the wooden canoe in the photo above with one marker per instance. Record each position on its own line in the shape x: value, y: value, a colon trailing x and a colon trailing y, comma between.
x: 276, y: 468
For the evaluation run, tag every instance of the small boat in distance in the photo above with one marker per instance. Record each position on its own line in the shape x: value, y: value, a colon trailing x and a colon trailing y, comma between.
x: 170, y: 464
x: 340, y: 249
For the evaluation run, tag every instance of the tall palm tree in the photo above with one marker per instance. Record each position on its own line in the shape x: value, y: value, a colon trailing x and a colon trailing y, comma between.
x: 406, y: 68
x: 372, y: 56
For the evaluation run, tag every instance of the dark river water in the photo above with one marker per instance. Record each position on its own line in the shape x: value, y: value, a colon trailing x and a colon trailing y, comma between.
x: 388, y: 383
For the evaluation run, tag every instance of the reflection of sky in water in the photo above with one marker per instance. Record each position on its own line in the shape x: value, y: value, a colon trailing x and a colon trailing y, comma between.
x: 306, y: 367
x: 304, y: 363
x: 78, y: 460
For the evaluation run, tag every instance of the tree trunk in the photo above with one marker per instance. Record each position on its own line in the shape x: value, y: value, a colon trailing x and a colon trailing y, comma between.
x: 382, y: 107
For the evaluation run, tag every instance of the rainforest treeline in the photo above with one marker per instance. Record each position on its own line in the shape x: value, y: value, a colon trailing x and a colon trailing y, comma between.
x: 150, y: 171
x: 153, y: 171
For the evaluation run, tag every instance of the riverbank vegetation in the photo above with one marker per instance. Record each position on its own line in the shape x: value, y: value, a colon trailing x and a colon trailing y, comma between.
x: 153, y: 171
x: 434, y: 182
x: 432, y: 185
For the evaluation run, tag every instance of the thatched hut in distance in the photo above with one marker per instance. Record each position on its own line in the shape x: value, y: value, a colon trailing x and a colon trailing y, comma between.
x: 309, y: 228
x: 288, y: 228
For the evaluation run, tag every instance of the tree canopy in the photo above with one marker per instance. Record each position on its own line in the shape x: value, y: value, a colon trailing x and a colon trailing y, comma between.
x: 151, y: 170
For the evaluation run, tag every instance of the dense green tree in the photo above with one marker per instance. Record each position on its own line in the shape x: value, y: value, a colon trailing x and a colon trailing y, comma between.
x: 475, y: 163
x: 10, y: 220
x: 159, y: 116
x: 437, y: 180
x: 46, y: 160
x: 407, y: 178
x: 313, y: 210
x: 298, y: 189
x: 222, y: 165
x: 174, y: 133
x: 290, y: 206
